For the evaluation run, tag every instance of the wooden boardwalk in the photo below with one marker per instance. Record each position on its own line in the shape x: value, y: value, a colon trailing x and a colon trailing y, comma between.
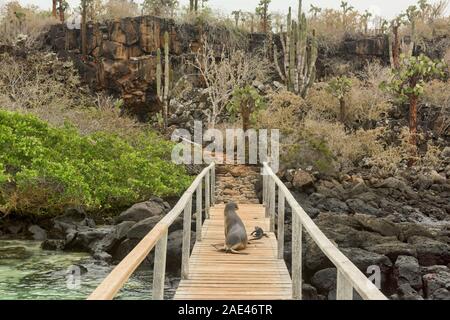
x: 217, y: 275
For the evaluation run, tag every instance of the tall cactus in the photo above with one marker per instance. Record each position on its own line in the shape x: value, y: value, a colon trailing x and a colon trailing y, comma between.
x: 299, y: 54
x: 163, y: 93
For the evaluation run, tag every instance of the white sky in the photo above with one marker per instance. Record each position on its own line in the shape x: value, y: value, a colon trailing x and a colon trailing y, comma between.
x: 385, y: 8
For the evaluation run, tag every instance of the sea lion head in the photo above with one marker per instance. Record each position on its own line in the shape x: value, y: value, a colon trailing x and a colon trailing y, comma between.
x: 231, y: 206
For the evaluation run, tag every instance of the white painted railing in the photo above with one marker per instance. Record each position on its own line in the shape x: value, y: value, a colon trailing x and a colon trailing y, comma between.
x: 349, y: 277
x: 157, y: 237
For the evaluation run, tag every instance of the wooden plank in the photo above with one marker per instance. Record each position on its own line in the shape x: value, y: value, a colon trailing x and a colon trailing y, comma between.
x: 216, y: 275
x: 159, y: 268
x: 344, y: 290
x: 186, y: 245
x: 280, y: 233
x: 198, y: 214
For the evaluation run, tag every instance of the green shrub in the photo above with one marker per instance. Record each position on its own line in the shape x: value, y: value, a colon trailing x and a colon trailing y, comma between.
x: 51, y: 168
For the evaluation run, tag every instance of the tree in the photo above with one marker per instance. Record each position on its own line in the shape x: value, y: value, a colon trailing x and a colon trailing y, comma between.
x: 234, y: 68
x: 245, y: 102
x: 263, y: 12
x: 63, y: 6
x: 84, y: 5
x: 54, y: 8
x: 425, y: 9
x: 346, y: 8
x: 340, y: 87
x: 395, y: 44
x: 408, y: 84
x: 160, y: 7
x: 250, y: 18
x: 237, y: 16
x: 314, y: 11
x: 365, y: 20
x: 412, y: 13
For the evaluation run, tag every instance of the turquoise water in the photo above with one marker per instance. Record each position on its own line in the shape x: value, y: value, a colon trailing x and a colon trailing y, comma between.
x: 28, y: 272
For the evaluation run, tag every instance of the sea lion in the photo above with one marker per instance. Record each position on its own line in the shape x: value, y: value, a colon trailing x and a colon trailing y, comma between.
x: 235, y: 234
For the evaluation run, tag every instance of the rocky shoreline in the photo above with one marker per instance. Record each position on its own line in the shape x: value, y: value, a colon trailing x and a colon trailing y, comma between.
x: 400, y: 224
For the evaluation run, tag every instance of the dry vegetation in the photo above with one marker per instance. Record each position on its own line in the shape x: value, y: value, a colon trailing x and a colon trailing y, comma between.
x: 50, y: 88
x: 22, y: 23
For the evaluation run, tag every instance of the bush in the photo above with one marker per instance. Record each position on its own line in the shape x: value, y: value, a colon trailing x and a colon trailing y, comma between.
x: 27, y: 22
x: 51, y: 89
x: 50, y: 168
x: 366, y: 101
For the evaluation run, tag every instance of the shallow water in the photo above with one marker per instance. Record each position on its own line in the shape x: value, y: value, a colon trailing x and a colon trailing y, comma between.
x: 28, y: 272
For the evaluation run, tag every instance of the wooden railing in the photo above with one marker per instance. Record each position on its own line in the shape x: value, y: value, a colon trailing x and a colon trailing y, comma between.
x: 157, y: 237
x: 349, y: 277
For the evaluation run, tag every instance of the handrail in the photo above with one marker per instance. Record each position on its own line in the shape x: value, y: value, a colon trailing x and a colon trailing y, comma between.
x: 349, y: 277
x: 157, y: 237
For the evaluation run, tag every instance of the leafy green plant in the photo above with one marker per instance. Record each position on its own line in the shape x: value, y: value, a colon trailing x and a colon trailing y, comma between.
x: 408, y: 83
x: 340, y: 87
x: 245, y: 102
x: 51, y: 168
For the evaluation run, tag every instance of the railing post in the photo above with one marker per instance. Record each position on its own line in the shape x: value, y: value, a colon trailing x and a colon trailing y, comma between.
x: 264, y: 188
x: 344, y: 290
x: 198, y: 215
x: 272, y: 204
x: 266, y: 193
x: 213, y: 185
x: 296, y: 256
x: 207, y: 194
x: 159, y: 267
x: 186, y: 248
x: 280, y: 234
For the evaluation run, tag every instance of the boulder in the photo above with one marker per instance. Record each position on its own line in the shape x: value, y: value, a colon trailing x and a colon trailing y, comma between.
x: 302, y: 180
x: 360, y: 206
x: 124, y: 248
x: 441, y: 294
x: 430, y: 252
x: 51, y: 244
x: 141, y: 211
x: 309, y: 292
x: 363, y: 258
x: 38, y: 233
x: 174, y: 247
x: 435, y: 281
x: 408, y: 230
x: 379, y: 225
x: 85, y: 239
x: 324, y: 280
x: 407, y: 270
x: 103, y: 256
x: 393, y: 249
x: 122, y: 229
x: 334, y: 205
x: 142, y: 228
x: 406, y: 292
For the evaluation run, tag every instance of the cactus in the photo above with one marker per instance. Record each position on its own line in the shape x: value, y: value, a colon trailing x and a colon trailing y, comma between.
x: 299, y: 54
x: 158, y: 74
x: 163, y: 93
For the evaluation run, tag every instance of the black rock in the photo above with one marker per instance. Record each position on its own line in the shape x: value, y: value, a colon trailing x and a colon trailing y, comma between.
x: 38, y: 233
x: 407, y: 270
x: 141, y: 211
x: 51, y: 244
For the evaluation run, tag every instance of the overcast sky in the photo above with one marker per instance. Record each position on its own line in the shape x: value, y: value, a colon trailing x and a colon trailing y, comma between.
x: 385, y: 8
